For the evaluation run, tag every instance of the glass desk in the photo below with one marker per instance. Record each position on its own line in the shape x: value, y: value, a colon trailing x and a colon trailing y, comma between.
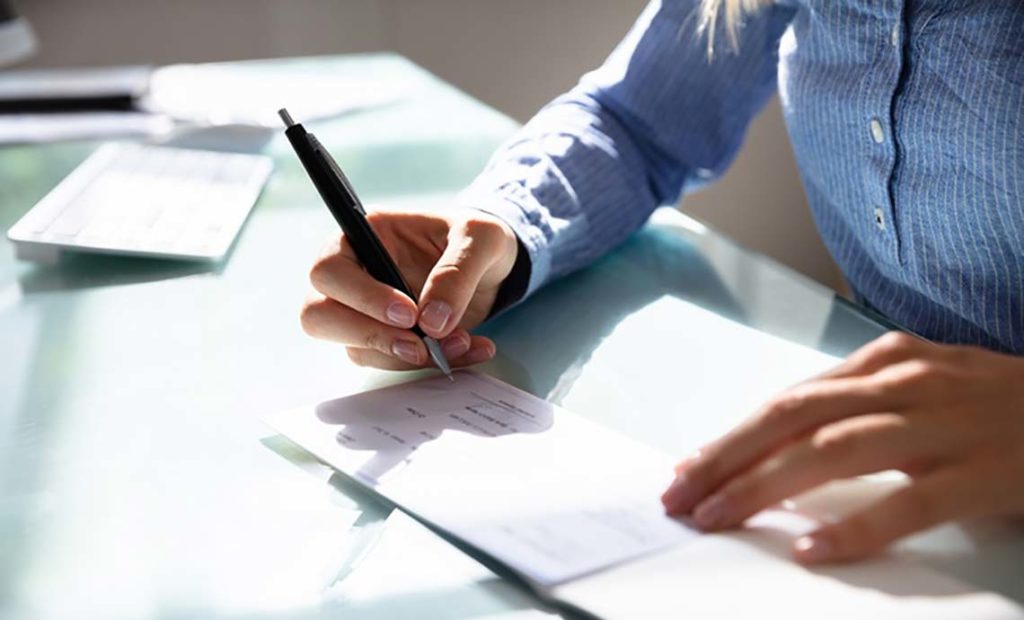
x: 137, y: 479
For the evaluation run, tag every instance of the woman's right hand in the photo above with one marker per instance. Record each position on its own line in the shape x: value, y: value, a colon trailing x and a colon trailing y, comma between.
x: 455, y: 262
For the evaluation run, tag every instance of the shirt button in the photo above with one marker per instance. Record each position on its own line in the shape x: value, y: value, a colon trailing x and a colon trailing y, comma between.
x: 877, y: 134
x: 879, y: 219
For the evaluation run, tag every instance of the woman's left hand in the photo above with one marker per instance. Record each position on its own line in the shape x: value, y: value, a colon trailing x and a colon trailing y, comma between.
x: 950, y: 417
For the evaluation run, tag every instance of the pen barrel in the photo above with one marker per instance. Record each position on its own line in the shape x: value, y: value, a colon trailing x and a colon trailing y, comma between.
x: 344, y: 205
x: 347, y: 211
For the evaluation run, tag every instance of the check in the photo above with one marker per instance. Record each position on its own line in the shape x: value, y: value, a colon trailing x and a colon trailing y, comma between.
x: 548, y: 493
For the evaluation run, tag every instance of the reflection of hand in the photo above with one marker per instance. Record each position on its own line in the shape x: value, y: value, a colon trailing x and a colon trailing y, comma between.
x: 950, y: 417
x: 456, y: 263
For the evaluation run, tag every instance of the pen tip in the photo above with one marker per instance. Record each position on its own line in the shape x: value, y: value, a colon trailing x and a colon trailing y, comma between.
x: 434, y: 348
x: 286, y: 117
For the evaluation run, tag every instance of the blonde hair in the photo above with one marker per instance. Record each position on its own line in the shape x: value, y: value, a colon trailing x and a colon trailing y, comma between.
x: 732, y: 11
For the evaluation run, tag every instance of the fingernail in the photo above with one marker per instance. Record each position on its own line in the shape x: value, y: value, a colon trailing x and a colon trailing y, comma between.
x: 455, y: 346
x: 406, y: 351
x: 678, y: 496
x: 401, y: 315
x: 710, y: 513
x: 479, y: 354
x: 813, y: 548
x: 435, y: 315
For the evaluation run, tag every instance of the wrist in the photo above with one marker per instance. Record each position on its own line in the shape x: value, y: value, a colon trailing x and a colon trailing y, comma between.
x: 513, y: 288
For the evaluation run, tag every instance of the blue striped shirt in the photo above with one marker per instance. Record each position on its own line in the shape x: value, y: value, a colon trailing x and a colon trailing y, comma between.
x: 905, y: 118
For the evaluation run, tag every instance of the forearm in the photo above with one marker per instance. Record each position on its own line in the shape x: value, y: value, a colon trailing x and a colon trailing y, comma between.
x: 656, y: 119
x: 571, y: 184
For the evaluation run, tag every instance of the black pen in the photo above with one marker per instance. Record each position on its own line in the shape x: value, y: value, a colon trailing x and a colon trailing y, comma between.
x: 345, y: 206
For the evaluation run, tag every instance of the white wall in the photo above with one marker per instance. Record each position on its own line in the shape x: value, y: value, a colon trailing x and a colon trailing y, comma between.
x: 513, y: 54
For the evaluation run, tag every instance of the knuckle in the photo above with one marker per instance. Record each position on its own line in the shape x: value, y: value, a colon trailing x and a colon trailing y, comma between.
x: 475, y: 226
x: 357, y: 356
x: 373, y: 340
x: 836, y: 445
x: 484, y: 233
x: 782, y: 409
x: 776, y: 413
x: 479, y: 225
x: 912, y: 375
x: 449, y: 275
x: 892, y: 344
x: 902, y: 339
x: 377, y: 218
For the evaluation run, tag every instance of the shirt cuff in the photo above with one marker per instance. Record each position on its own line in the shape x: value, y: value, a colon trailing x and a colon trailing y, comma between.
x: 513, y: 289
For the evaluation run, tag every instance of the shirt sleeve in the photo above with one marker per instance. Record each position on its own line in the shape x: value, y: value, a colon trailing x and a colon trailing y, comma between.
x: 659, y: 118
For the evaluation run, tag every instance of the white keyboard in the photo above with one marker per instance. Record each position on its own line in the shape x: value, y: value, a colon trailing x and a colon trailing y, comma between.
x: 146, y: 201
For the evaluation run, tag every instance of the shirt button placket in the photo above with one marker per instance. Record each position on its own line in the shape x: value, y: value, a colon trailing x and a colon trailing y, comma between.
x: 886, y: 145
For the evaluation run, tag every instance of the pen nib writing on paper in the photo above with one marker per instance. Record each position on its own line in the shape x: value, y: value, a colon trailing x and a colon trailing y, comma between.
x: 434, y: 348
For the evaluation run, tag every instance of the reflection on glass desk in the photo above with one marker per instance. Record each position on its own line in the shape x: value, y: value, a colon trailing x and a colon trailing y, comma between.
x: 137, y: 479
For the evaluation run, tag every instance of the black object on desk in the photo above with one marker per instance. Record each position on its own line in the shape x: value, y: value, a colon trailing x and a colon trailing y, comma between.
x: 347, y: 209
x: 100, y: 89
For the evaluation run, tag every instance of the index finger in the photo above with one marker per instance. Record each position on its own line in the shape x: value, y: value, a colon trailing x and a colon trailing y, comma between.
x: 785, y: 418
x: 337, y: 274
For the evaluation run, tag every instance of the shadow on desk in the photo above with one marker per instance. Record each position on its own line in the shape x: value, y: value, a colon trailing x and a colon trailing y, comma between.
x: 544, y: 343
x: 76, y: 271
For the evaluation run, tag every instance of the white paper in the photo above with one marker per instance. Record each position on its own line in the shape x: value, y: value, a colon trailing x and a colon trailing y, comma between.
x: 749, y: 574
x: 550, y: 494
x: 32, y: 128
x: 702, y: 374
x: 243, y: 94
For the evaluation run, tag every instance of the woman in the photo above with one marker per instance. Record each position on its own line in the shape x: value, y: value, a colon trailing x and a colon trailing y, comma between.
x: 907, y: 121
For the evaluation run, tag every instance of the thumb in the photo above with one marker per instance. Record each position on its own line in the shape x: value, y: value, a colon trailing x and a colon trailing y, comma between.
x: 474, y: 246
